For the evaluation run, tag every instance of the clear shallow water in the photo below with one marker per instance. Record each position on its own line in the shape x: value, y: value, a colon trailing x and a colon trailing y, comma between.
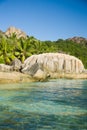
x: 54, y: 105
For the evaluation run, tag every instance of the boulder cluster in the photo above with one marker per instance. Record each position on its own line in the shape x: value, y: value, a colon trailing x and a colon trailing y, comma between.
x: 46, y: 65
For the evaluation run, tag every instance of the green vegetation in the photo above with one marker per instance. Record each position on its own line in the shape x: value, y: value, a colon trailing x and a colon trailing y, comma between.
x: 11, y: 47
x: 72, y: 48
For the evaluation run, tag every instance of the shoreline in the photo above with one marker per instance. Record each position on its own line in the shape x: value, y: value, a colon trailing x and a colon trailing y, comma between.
x: 17, y: 77
x: 14, y: 77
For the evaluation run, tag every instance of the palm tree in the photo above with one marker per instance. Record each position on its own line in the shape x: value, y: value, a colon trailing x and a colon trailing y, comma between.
x: 4, y: 50
x: 35, y: 45
x: 22, y: 49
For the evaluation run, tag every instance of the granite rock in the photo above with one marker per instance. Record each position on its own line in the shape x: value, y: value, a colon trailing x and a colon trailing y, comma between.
x: 51, y: 63
x: 16, y: 31
x: 6, y: 68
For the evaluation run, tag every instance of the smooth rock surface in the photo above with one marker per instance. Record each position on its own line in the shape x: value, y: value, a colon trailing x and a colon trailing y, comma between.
x: 51, y: 63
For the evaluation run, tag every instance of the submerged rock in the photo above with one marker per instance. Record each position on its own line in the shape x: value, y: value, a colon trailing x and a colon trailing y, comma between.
x: 52, y: 64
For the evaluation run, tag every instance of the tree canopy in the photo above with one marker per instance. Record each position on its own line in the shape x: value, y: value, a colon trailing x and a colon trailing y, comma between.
x: 11, y: 47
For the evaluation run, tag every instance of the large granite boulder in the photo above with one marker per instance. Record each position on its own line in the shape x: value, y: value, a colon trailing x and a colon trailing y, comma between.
x: 6, y: 68
x: 52, y: 63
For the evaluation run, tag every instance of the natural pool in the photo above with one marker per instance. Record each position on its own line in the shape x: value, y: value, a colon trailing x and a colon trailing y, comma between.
x: 54, y: 105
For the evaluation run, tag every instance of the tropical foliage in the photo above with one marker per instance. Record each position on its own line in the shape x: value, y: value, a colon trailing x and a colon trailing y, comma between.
x: 11, y: 47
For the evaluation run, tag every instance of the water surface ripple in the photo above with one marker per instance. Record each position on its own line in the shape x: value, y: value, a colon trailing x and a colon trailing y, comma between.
x: 54, y: 105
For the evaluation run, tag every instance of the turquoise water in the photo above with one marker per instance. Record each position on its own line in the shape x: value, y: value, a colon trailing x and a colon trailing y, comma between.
x: 54, y: 105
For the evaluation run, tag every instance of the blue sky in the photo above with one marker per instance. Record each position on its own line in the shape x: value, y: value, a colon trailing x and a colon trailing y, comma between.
x: 45, y: 19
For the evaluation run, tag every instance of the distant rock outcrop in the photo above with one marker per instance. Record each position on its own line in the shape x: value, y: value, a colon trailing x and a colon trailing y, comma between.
x: 16, y: 31
x: 79, y: 40
x: 50, y: 64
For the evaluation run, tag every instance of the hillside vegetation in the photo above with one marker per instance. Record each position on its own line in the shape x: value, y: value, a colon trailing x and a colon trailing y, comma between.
x: 12, y: 47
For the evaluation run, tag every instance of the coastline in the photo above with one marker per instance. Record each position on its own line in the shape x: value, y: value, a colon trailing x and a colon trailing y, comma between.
x: 17, y: 77
x: 14, y: 77
x: 73, y: 76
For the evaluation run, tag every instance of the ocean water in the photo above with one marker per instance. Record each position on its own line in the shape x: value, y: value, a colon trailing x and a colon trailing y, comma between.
x: 54, y: 105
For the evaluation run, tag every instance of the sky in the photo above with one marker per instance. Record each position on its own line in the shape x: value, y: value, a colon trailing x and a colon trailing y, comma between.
x: 45, y: 19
